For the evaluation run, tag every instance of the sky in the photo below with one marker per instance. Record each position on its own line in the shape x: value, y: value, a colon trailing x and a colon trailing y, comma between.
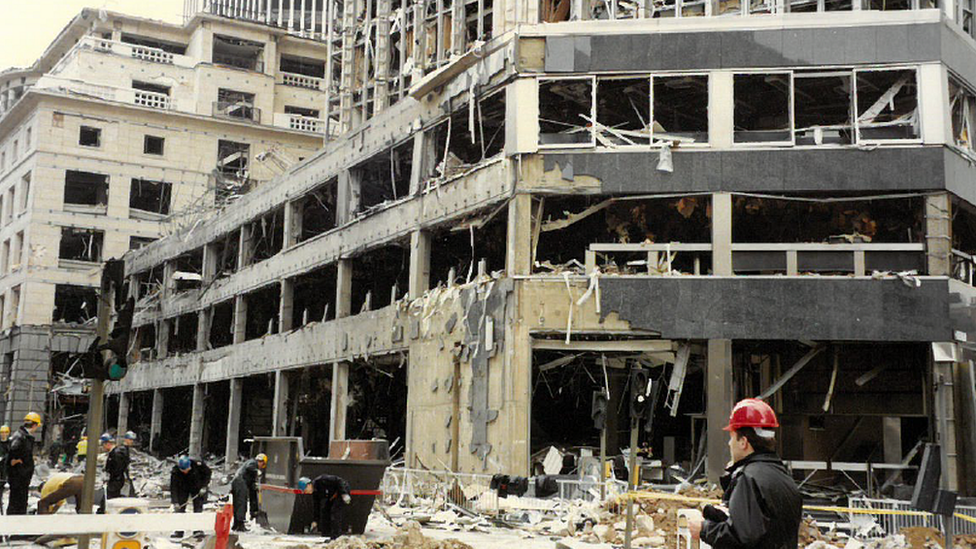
x: 27, y: 27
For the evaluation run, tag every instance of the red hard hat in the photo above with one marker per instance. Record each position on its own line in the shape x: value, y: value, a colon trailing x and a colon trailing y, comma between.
x: 752, y: 412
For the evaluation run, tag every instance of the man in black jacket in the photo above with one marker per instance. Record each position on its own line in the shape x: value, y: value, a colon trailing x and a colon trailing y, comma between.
x: 762, y: 505
x: 20, y: 464
x: 189, y: 479
x: 116, y: 466
x: 244, y: 490
x: 4, y: 450
x: 330, y: 494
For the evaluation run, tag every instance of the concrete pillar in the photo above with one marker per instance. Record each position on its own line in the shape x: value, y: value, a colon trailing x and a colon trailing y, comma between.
x: 162, y: 339
x: 340, y: 400
x: 123, y: 422
x: 722, y: 234
x: 721, y: 109
x: 233, y: 422
x: 203, y: 329
x: 343, y: 288
x: 240, y: 319
x: 938, y: 234
x: 419, y: 263
x: 294, y: 220
x: 348, y: 194
x: 718, y: 388
x: 279, y: 411
x: 518, y: 256
x: 196, y: 421
x: 156, y: 421
x: 286, y: 305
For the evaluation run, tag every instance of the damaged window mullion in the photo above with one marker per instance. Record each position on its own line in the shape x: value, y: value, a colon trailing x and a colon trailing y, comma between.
x: 887, y: 105
x: 567, y: 107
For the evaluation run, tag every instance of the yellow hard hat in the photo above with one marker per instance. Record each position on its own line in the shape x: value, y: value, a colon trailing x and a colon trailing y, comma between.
x: 262, y: 460
x: 33, y: 417
x: 4, y: 430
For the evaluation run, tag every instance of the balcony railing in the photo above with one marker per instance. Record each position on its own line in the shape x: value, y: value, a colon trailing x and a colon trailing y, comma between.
x: 299, y: 122
x: 151, y: 99
x: 302, y: 81
x: 145, y: 53
x: 237, y: 110
x: 791, y: 259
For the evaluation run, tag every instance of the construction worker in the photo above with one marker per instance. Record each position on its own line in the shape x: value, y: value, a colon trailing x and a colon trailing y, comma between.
x: 116, y: 465
x: 4, y: 450
x: 762, y: 505
x: 330, y: 494
x: 81, y: 449
x: 58, y: 488
x: 20, y: 467
x: 244, y: 489
x: 129, y: 439
x: 189, y: 479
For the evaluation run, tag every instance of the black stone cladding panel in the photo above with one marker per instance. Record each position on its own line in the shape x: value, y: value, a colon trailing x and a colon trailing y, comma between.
x: 786, y: 170
x: 863, y: 45
x: 814, y: 308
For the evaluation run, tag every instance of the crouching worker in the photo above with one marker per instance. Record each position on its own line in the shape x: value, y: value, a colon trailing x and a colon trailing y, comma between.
x: 244, y: 490
x: 189, y: 479
x: 330, y: 494
x: 57, y: 489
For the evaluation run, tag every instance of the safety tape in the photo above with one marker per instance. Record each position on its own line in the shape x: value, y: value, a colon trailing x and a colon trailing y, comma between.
x: 286, y: 490
x: 849, y: 510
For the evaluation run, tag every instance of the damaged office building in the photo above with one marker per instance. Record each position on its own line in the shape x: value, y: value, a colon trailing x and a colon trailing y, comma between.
x: 523, y: 201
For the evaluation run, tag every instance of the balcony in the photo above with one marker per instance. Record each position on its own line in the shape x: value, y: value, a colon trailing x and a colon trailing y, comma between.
x: 145, y: 53
x: 299, y: 122
x: 150, y: 99
x: 237, y: 110
x: 302, y: 81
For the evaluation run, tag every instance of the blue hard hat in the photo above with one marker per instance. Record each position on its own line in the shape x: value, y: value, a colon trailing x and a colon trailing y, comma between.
x: 184, y: 463
x: 303, y: 483
x: 106, y: 437
x: 129, y: 435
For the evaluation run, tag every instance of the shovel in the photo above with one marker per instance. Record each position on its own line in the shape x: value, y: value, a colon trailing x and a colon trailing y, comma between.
x: 262, y: 519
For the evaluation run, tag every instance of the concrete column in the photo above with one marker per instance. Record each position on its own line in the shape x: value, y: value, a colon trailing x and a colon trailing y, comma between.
x: 340, y: 400
x: 196, y: 421
x: 347, y: 196
x: 123, y: 422
x: 419, y: 169
x: 203, y: 329
x: 244, y: 248
x: 721, y: 108
x: 294, y: 214
x: 209, y: 263
x: 279, y: 411
x: 945, y: 422
x: 156, y: 422
x: 518, y: 256
x: 343, y: 288
x: 722, y: 234
x: 286, y: 305
x: 162, y: 338
x: 240, y: 319
x: 719, y: 404
x: 233, y: 422
x: 938, y: 234
x: 419, y: 263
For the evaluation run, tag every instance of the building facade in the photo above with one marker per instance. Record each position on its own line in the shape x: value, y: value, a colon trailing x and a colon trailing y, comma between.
x: 124, y: 130
x: 746, y: 199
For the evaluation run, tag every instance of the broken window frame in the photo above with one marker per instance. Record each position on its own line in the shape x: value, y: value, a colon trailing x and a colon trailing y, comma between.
x: 963, y: 121
x: 659, y: 141
x: 100, y: 192
x: 599, y: 135
x: 96, y: 247
x: 852, y: 105
x: 790, y: 104
x: 918, y: 118
x: 91, y: 134
x: 588, y: 126
x: 165, y: 198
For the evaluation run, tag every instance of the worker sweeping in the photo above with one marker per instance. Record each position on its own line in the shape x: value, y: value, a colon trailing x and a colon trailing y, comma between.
x: 762, y: 505
x: 20, y: 467
x: 116, y: 466
x: 188, y: 480
x: 244, y: 490
x: 57, y: 489
x: 81, y: 449
x: 330, y: 495
x: 4, y: 450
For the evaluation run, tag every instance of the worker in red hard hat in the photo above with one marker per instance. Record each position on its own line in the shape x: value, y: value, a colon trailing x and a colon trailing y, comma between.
x: 762, y: 505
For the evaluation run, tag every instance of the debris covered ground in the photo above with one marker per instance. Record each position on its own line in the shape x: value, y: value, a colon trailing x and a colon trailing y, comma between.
x: 484, y: 521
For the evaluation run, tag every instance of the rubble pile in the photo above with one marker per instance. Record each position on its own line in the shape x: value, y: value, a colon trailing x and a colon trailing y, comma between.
x: 407, y: 537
